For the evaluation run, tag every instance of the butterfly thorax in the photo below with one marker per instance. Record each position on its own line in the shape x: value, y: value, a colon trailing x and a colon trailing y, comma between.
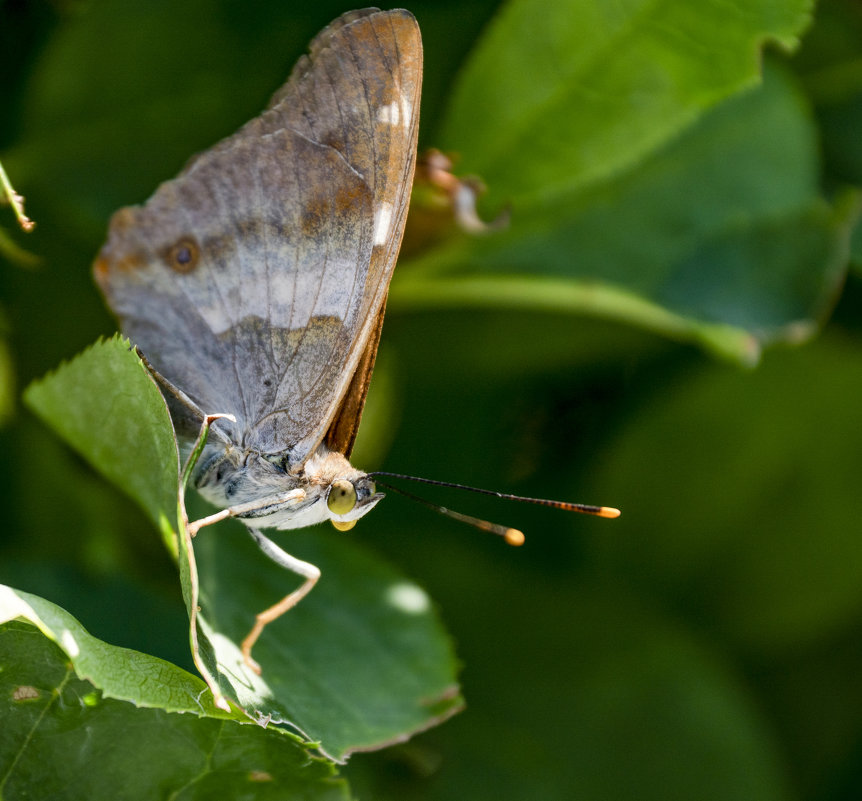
x: 268, y: 492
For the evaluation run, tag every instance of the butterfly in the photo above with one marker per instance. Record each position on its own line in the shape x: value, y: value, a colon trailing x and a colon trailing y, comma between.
x: 254, y: 283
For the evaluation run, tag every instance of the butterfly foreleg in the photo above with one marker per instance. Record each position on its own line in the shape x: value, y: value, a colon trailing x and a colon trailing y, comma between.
x: 308, y: 571
x: 259, y: 507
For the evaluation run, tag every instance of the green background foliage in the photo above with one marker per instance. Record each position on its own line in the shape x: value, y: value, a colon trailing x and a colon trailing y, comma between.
x: 668, y: 325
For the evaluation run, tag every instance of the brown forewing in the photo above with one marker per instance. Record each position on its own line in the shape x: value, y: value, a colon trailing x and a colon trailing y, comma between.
x: 342, y: 433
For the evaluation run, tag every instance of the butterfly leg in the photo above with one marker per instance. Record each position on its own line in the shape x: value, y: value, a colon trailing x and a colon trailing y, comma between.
x: 308, y: 571
x: 251, y: 509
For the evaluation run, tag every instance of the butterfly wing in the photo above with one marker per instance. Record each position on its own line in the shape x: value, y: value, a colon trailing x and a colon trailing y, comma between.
x: 255, y: 280
x: 342, y: 432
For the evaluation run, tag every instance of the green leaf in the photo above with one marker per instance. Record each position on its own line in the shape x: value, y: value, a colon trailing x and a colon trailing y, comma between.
x: 558, y: 96
x: 118, y: 673
x: 105, y: 404
x: 421, y: 290
x: 651, y: 179
x: 361, y: 662
x: 81, y: 716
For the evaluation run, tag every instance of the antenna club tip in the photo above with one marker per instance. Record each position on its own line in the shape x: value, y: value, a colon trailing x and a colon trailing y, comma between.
x: 609, y: 511
x: 514, y: 537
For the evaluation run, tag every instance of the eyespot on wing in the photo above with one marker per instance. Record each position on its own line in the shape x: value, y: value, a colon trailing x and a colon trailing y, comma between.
x: 183, y: 256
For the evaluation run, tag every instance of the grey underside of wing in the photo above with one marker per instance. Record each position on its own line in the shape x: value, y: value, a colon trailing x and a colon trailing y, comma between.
x: 298, y: 218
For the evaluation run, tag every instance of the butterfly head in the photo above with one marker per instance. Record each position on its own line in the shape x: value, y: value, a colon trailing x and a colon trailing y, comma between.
x: 339, y: 492
x: 349, y: 499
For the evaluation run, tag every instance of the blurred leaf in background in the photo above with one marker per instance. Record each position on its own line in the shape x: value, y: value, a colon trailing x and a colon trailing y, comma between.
x: 683, y: 186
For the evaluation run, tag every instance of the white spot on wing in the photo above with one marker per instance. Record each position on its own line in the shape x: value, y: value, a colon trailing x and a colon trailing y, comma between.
x: 382, y: 223
x: 408, y: 598
x: 389, y: 114
x: 398, y: 112
x: 406, y: 115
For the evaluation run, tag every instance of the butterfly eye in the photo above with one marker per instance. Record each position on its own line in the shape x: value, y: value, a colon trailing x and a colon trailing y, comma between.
x: 342, y: 497
x: 183, y: 256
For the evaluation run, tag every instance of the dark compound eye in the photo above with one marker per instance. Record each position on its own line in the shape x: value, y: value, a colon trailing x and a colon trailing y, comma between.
x: 183, y: 256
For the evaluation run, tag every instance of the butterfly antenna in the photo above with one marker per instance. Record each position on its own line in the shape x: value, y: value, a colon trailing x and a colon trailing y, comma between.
x: 512, y: 535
